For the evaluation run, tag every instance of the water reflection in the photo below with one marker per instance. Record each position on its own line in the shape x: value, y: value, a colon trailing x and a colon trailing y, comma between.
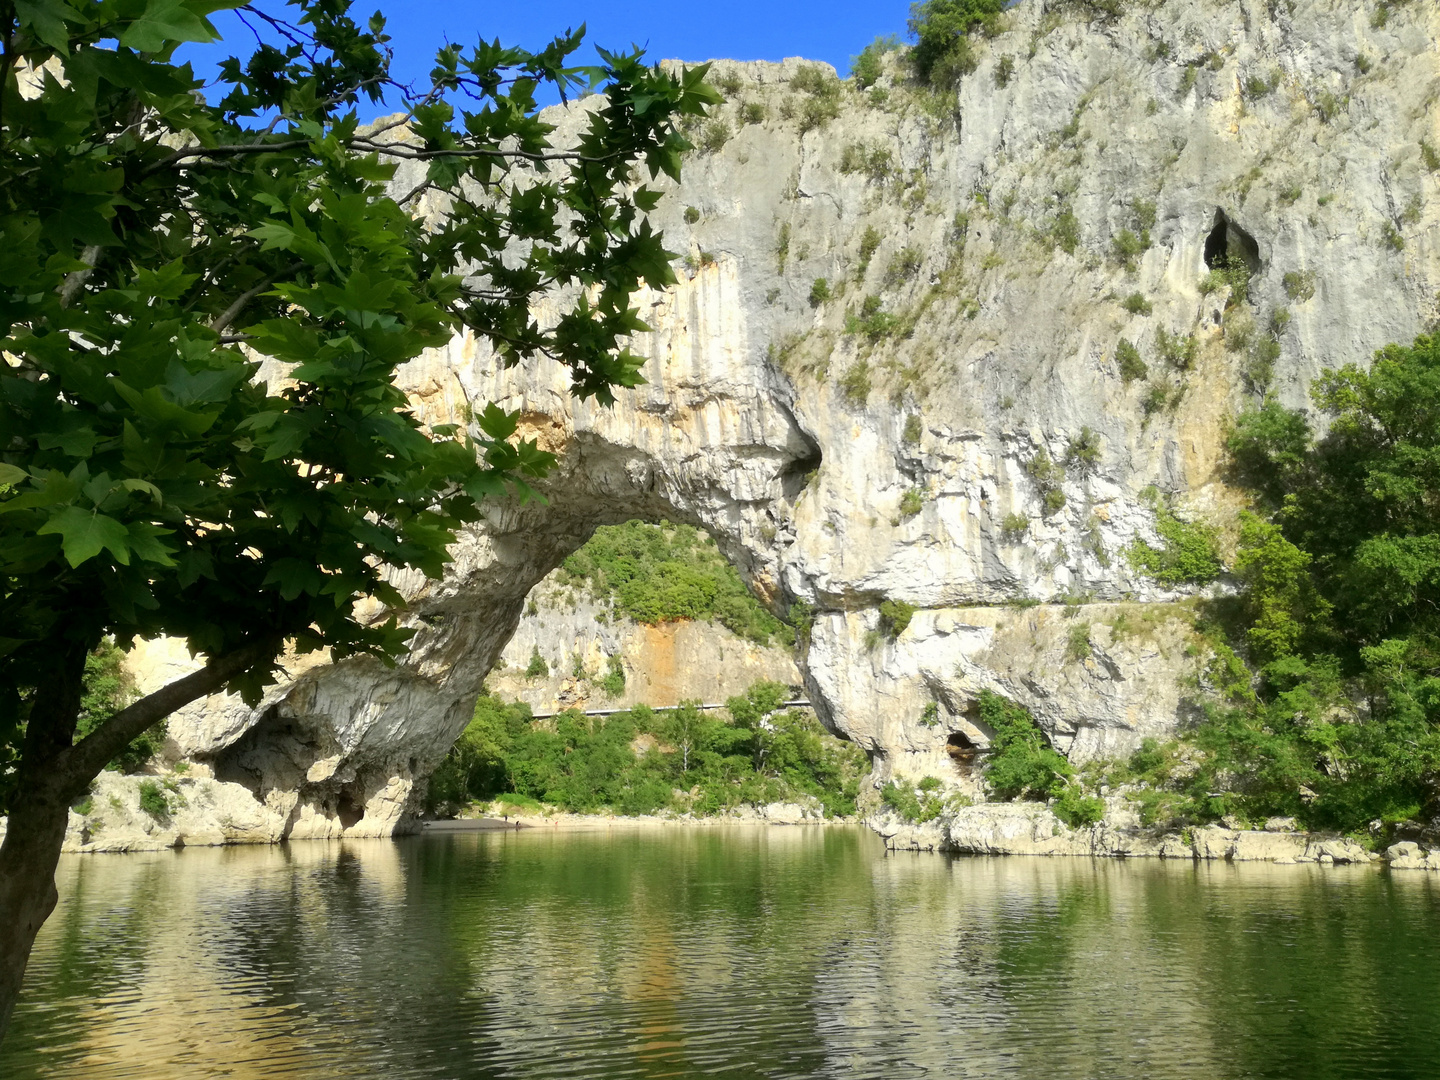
x: 743, y: 952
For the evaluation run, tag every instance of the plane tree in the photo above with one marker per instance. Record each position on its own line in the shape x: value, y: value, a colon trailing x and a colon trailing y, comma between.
x: 205, y: 294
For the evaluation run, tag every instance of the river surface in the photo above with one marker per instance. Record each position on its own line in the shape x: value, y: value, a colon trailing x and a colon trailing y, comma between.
x: 722, y: 952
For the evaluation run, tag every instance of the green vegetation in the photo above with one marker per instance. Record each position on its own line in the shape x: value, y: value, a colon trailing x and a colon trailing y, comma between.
x: 1083, y: 452
x: 692, y: 215
x: 869, y: 244
x: 1127, y: 247
x: 1190, y: 555
x: 153, y: 800
x: 1338, y: 620
x: 904, y: 265
x: 912, y: 502
x: 613, y: 681
x: 855, y: 383
x: 867, y: 68
x: 876, y: 162
x: 919, y: 803
x: 1021, y: 764
x: 1066, y: 231
x: 1013, y: 527
x: 1132, y: 366
x: 1234, y: 275
x: 1047, y: 476
x: 872, y: 321
x: 821, y: 103
x: 1077, y: 643
x: 1430, y: 155
x: 753, y: 112
x: 1136, y: 304
x: 782, y: 247
x: 642, y: 761
x: 539, y: 667
x: 1176, y: 351
x: 941, y: 29
x: 1004, y: 70
x: 914, y: 429
x: 105, y: 691
x: 664, y: 573
x: 895, y: 616
x: 1299, y: 285
x: 819, y: 292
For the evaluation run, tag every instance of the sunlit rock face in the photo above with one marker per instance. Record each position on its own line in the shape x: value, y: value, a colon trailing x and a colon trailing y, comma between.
x: 892, y: 462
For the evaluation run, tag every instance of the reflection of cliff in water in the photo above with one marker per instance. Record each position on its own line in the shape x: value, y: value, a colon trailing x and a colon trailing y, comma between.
x: 752, y: 951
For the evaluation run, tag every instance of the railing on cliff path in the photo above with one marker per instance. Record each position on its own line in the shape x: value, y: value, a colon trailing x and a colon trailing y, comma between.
x: 798, y: 703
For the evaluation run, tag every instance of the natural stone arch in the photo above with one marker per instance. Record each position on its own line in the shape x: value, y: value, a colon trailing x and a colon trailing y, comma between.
x: 711, y: 442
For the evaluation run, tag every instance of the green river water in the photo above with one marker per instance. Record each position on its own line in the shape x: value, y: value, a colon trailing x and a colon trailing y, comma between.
x: 722, y: 952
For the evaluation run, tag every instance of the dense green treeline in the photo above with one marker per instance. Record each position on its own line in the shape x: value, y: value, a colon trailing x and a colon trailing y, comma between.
x: 644, y: 761
x: 665, y: 573
x: 1326, y: 679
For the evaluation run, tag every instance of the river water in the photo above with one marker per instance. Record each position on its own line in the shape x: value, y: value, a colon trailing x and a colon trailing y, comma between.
x: 722, y: 952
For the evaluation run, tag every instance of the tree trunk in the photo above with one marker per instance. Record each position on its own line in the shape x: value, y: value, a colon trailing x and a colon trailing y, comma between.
x: 39, y: 812
x: 27, y: 886
x: 53, y: 773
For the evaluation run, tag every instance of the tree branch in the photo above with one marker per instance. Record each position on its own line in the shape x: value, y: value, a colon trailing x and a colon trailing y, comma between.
x: 226, y: 317
x: 75, y: 280
x: 91, y: 754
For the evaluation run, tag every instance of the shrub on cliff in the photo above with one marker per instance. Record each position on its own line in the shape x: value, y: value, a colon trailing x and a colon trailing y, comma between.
x: 1021, y: 762
x: 666, y: 573
x: 941, y: 29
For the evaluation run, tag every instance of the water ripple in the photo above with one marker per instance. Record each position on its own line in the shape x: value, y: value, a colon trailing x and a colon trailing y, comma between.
x: 740, y: 953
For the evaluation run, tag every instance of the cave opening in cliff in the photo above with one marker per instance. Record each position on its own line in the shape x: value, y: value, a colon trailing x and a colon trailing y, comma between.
x: 350, y: 807
x: 962, y: 752
x: 1226, y: 240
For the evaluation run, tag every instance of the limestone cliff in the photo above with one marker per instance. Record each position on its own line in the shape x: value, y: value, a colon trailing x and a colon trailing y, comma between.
x: 579, y: 636
x: 984, y: 256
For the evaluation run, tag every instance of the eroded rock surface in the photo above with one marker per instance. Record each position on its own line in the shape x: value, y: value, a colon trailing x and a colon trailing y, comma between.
x: 895, y: 461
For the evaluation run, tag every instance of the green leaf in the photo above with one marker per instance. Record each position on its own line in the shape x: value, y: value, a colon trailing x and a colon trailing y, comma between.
x: 497, y: 423
x: 85, y: 533
x: 79, y: 442
x: 163, y: 23
x: 47, y: 19
x: 9, y: 474
x: 144, y: 542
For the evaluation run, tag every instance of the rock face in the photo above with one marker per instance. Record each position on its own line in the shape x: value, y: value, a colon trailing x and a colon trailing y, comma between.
x: 663, y: 665
x: 984, y: 256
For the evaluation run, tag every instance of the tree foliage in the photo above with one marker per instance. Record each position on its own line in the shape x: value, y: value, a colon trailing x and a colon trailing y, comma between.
x: 156, y: 248
x: 1339, y: 614
x: 642, y: 761
x: 941, y: 29
x: 665, y: 573
x: 1021, y: 762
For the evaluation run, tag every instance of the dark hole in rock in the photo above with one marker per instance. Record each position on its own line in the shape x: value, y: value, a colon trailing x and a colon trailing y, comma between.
x: 961, y: 750
x: 1227, y: 239
x: 350, y: 808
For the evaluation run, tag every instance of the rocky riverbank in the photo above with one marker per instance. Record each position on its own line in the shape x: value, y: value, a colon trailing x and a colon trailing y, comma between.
x: 155, y: 813
x: 123, y: 814
x: 1022, y: 828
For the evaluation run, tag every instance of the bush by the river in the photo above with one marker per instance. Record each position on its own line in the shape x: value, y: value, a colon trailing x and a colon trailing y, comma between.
x: 643, y: 761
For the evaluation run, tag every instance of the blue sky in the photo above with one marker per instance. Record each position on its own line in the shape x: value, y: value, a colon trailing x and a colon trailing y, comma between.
x: 734, y: 29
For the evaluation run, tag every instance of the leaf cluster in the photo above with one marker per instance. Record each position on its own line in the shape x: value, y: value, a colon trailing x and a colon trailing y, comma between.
x: 203, y: 308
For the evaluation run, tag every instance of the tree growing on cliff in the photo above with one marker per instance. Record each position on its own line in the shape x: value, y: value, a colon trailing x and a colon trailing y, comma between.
x: 155, y: 248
